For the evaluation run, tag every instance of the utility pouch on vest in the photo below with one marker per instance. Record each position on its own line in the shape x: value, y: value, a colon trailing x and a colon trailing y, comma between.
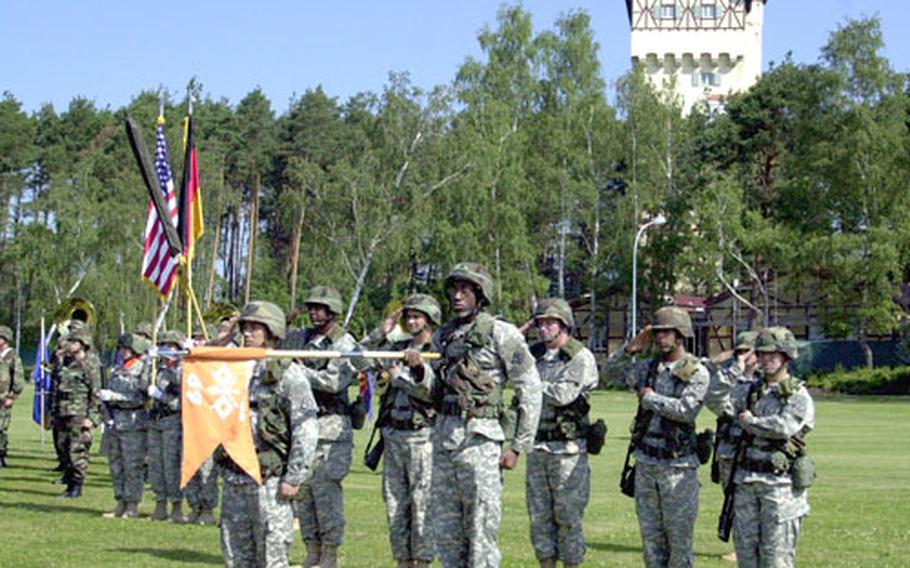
x: 704, y: 443
x: 627, y: 479
x: 596, y: 436
x: 802, y: 472
x: 373, y: 454
x: 358, y: 412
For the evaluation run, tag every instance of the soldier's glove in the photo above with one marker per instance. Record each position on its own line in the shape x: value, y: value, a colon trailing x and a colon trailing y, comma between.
x: 106, y: 395
x: 155, y: 392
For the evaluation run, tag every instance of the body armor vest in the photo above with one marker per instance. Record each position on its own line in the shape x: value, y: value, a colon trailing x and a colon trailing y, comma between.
x: 326, y: 402
x: 571, y: 420
x: 472, y: 386
x: 422, y: 413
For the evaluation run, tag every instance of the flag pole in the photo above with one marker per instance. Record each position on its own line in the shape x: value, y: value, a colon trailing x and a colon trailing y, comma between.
x: 41, y: 356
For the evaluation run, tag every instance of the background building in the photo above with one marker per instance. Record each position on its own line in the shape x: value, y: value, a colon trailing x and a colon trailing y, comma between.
x: 704, y: 49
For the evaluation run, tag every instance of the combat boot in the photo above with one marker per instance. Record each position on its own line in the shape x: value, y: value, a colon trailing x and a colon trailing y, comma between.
x: 193, y: 517
x: 568, y: 565
x: 160, y: 512
x: 177, y: 512
x: 131, y: 511
x: 313, y: 550
x: 206, y: 518
x: 404, y: 564
x: 2, y: 460
x: 74, y: 491
x: 328, y: 557
x: 118, y: 510
x: 548, y: 563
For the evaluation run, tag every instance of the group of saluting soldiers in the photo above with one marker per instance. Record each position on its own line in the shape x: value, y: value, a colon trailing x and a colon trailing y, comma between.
x: 447, y: 432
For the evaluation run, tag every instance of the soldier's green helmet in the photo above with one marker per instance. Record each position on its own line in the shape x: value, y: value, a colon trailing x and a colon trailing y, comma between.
x: 326, y: 296
x: 672, y: 317
x: 778, y: 339
x: 6, y: 333
x: 745, y: 340
x: 474, y: 273
x: 144, y: 329
x: 83, y: 335
x: 555, y: 308
x: 134, y: 342
x: 268, y: 314
x: 172, y: 336
x: 425, y: 304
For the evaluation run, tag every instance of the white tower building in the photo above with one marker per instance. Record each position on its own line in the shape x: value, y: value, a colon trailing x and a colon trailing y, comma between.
x: 707, y: 49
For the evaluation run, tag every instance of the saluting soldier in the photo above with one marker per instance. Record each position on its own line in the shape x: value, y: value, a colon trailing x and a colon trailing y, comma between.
x: 165, y: 433
x: 125, y: 399
x: 775, y: 412
x: 257, y: 521
x: 480, y: 354
x: 406, y: 416
x: 558, y: 475
x: 76, y: 408
x: 11, y: 385
x: 321, y: 505
x: 671, y: 389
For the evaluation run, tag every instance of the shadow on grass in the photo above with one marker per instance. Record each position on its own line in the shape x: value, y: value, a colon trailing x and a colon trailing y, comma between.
x: 187, y: 556
x: 46, y: 508
x: 52, y: 490
x: 613, y: 547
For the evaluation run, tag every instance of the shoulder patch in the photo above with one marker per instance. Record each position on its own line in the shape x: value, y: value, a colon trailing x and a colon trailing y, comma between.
x: 686, y: 369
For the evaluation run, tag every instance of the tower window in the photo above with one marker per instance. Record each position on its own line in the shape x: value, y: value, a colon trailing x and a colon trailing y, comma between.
x: 710, y: 79
x: 709, y: 11
x: 668, y: 11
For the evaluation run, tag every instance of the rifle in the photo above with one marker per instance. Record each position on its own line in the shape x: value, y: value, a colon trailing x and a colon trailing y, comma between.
x: 725, y: 520
x: 639, y: 429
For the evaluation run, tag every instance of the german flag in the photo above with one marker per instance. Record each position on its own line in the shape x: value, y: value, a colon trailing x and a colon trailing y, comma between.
x: 190, y: 224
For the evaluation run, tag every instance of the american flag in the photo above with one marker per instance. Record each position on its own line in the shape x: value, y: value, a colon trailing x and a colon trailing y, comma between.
x: 159, y: 267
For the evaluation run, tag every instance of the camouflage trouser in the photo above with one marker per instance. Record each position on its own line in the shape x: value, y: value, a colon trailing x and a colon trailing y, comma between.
x: 666, y: 502
x: 165, y: 439
x: 406, y: 475
x: 321, y: 504
x: 257, y: 527
x: 6, y: 416
x: 202, y: 489
x: 77, y: 443
x: 127, y: 461
x: 557, y: 490
x: 59, y: 434
x: 467, y: 510
x: 764, y: 533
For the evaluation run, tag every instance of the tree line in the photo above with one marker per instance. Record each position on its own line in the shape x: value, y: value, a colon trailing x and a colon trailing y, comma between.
x: 526, y: 161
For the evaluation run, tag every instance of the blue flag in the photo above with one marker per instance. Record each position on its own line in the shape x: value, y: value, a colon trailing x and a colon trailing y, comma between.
x: 42, y: 382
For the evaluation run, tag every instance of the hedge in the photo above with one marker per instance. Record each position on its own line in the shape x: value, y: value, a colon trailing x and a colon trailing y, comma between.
x: 882, y: 380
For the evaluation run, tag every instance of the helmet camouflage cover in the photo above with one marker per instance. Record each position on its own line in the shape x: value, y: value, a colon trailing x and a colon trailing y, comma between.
x: 673, y: 317
x: 144, y: 329
x: 172, y: 336
x: 745, y: 340
x: 83, y: 335
x: 425, y: 304
x: 268, y: 314
x: 326, y: 296
x: 6, y: 333
x: 474, y: 273
x: 555, y: 308
x: 134, y: 342
x: 777, y: 339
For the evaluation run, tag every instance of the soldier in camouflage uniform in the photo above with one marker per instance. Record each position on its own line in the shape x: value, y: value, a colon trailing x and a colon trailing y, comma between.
x: 125, y: 399
x: 165, y: 433
x: 406, y: 415
x: 321, y: 505
x: 775, y: 412
x: 11, y: 384
x: 257, y: 521
x: 76, y: 408
x: 202, y: 489
x: 671, y: 388
x: 727, y: 370
x: 558, y: 476
x: 479, y: 354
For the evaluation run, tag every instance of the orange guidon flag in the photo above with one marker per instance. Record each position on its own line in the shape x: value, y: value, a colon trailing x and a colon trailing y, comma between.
x: 216, y: 408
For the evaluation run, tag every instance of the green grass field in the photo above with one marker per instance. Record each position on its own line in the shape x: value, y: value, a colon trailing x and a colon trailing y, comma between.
x: 860, y: 505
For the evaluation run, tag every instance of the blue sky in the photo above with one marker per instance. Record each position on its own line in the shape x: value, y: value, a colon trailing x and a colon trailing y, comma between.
x: 110, y: 50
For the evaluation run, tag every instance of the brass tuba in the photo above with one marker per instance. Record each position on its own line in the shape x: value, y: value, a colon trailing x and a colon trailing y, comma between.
x: 73, y: 309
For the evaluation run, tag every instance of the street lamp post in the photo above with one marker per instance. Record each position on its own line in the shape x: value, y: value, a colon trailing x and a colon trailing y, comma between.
x: 659, y: 220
